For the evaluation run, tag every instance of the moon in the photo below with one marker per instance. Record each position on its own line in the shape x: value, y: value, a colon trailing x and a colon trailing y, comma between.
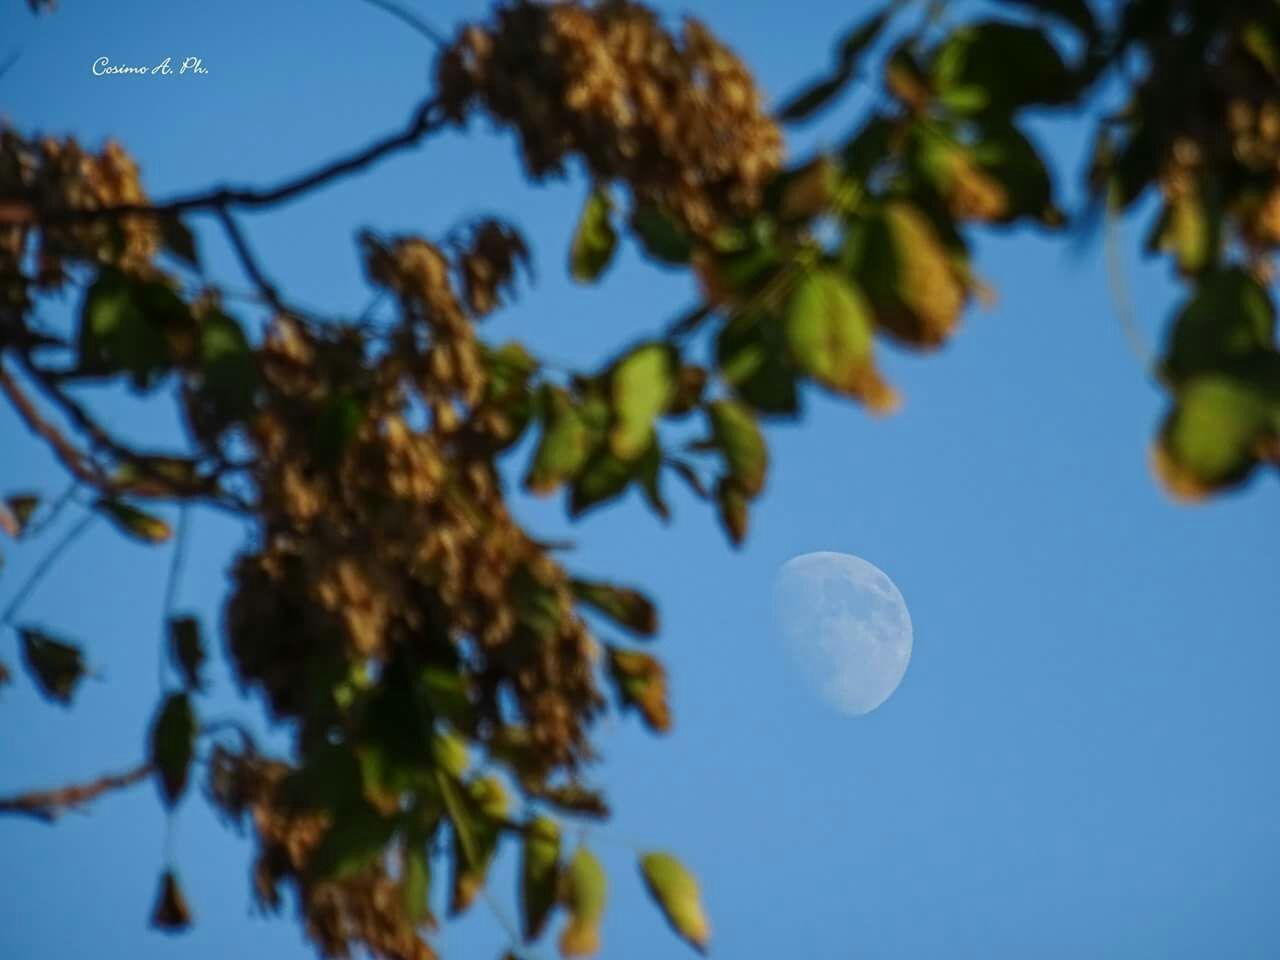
x: 847, y: 628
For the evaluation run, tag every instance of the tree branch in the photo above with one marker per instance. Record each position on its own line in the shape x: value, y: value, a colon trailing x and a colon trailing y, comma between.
x: 48, y: 805
x: 250, y: 265
x: 76, y: 463
x: 426, y: 119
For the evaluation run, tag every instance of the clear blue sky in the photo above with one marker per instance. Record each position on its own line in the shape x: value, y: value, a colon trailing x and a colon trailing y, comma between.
x: 1081, y: 759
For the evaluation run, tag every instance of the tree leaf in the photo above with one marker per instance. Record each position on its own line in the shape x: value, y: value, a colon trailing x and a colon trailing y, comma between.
x: 641, y: 683
x: 229, y: 373
x: 487, y: 801
x: 171, y: 913
x: 584, y: 894
x: 751, y: 355
x: 58, y: 667
x: 829, y: 337
x: 737, y: 435
x: 415, y: 883
x: 623, y: 605
x: 595, y: 240
x: 675, y: 890
x: 564, y: 446
x: 133, y: 522
x: 994, y: 66
x: 661, y: 237
x: 732, y: 504
x: 173, y: 743
x: 1230, y: 316
x: 604, y: 478
x: 336, y: 426
x: 356, y: 838
x: 539, y: 870
x: 16, y: 511
x: 186, y: 650
x: 641, y: 386
x: 178, y: 240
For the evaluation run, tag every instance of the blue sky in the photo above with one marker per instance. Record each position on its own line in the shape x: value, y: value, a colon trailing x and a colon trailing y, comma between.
x: 1080, y: 761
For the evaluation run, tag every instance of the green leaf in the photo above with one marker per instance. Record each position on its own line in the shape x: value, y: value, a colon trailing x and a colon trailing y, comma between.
x: 449, y: 752
x: 125, y: 325
x: 133, y: 522
x: 415, y: 883
x: 1219, y: 423
x: 336, y: 427
x: 564, y: 446
x: 173, y: 743
x: 752, y: 357
x: 998, y: 67
x: 604, y: 478
x: 595, y: 240
x: 539, y: 870
x: 829, y: 333
x: 675, y: 890
x: 661, y: 236
x: 1006, y: 156
x: 584, y: 894
x: 641, y: 385
x: 732, y: 502
x: 355, y: 840
x: 229, y: 373
x: 641, y: 683
x: 736, y: 433
x: 58, y: 667
x: 1230, y: 316
x: 186, y: 650
x: 487, y: 802
x: 624, y: 606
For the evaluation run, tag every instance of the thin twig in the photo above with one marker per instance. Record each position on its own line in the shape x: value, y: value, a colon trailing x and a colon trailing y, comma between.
x: 1120, y: 296
x: 55, y: 510
x: 44, y: 566
x: 48, y: 805
x: 171, y: 587
x: 412, y: 19
x: 426, y: 119
x: 247, y: 261
x: 68, y: 454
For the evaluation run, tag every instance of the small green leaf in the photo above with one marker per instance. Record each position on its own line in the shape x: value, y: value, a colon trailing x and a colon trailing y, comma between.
x: 173, y: 743
x: 186, y: 649
x: 829, y: 333
x: 737, y: 435
x: 675, y: 890
x: 595, y: 240
x: 449, y: 751
x: 624, y: 606
x: 356, y: 838
x: 171, y: 913
x: 336, y: 427
x: 564, y: 445
x: 732, y: 504
x: 539, y: 870
x: 58, y: 666
x: 641, y: 386
x: 661, y: 237
x: 641, y: 683
x: 133, y: 522
x: 603, y: 478
x: 227, y: 367
x: 415, y: 883
x: 752, y: 357
x: 584, y: 894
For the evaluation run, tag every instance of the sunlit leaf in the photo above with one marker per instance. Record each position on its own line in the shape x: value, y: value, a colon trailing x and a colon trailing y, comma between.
x: 415, y: 883
x: 641, y: 385
x: 595, y: 239
x: 584, y: 893
x: 173, y: 743
x: 603, y: 478
x: 623, y: 605
x: 133, y: 522
x: 829, y: 337
x: 1230, y: 316
x: 539, y: 872
x: 564, y: 446
x: 58, y: 667
x: 675, y: 890
x: 641, y: 683
x: 732, y: 505
x: 737, y: 435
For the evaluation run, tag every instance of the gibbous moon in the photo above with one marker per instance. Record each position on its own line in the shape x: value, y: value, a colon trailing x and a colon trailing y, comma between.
x: 846, y: 626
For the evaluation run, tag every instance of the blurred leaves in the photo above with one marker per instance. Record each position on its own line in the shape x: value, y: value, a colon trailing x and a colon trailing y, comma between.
x: 675, y: 890
x: 173, y: 744
x: 584, y: 892
x: 186, y: 650
x: 595, y: 240
x: 171, y: 913
x: 539, y: 875
x: 57, y: 666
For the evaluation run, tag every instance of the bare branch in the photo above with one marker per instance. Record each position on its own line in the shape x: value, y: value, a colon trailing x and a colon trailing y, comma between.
x: 250, y: 265
x: 412, y: 19
x: 426, y: 119
x: 48, y: 805
x: 76, y: 463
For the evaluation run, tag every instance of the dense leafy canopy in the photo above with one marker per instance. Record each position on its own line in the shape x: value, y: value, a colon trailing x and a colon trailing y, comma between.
x: 435, y: 661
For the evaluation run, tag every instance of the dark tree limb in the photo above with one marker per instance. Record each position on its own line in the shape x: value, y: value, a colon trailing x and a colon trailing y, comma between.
x: 48, y: 805
x: 68, y: 454
x: 249, y: 263
x: 426, y: 118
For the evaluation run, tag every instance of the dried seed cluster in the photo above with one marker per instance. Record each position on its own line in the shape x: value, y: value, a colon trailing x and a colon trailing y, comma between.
x: 51, y: 174
x: 361, y: 910
x: 679, y: 120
